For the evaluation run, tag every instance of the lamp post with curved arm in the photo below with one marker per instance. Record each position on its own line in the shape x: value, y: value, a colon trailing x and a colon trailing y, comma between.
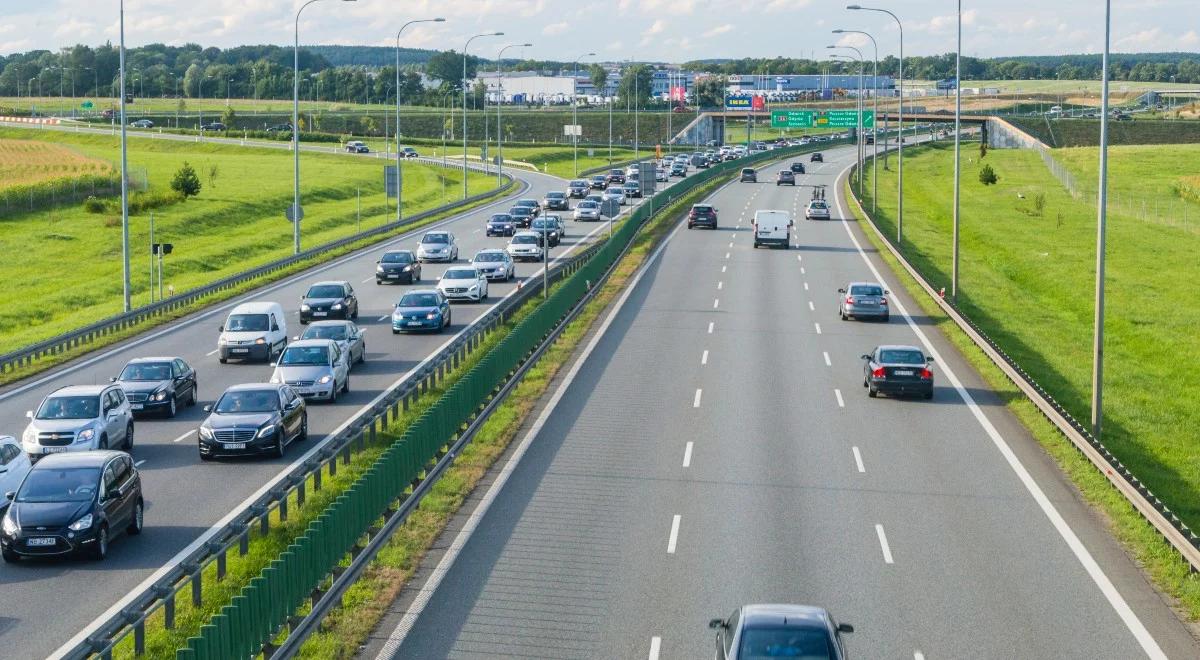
x: 398, y: 154
x: 875, y: 111
x: 574, y: 110
x: 860, y: 145
x: 464, y: 99
x: 500, y: 104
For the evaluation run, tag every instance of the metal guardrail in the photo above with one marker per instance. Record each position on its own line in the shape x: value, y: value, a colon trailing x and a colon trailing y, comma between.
x: 75, y: 339
x: 1154, y: 510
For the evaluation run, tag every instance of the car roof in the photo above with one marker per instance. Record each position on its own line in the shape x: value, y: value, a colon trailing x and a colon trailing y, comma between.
x: 490, y: 251
x: 525, y: 233
x: 397, y: 251
x: 328, y: 322
x: 330, y: 283
x: 251, y: 387
x: 899, y: 347
x: 80, y: 390
x: 143, y: 360
x: 256, y: 308
x: 864, y: 284
x: 310, y: 343
x: 77, y: 459
x: 776, y: 614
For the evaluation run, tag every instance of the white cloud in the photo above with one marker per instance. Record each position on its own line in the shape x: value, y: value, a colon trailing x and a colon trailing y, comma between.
x: 556, y: 28
x: 719, y: 30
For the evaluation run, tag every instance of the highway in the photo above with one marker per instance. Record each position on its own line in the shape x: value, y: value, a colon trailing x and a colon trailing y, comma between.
x: 46, y: 603
x: 749, y: 465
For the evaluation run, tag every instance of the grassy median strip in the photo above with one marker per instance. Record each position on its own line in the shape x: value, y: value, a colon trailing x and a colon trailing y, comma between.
x: 1148, y: 548
x: 365, y: 603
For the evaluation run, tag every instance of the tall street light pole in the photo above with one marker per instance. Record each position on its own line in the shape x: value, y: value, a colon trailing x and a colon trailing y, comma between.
x: 1101, y: 221
x: 124, y: 178
x: 574, y: 109
x: 296, y: 129
x: 860, y: 145
x: 875, y: 112
x: 399, y: 156
x: 899, y: 123
x: 957, y: 154
x: 464, y: 99
x: 500, y: 104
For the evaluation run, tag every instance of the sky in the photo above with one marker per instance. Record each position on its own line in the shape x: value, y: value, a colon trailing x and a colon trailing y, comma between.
x: 647, y: 30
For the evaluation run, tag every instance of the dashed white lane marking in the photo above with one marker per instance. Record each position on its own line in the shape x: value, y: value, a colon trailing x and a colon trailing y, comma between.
x: 716, y: 302
x: 675, y: 534
x: 726, y: 255
x: 212, y: 352
x: 802, y: 271
x: 687, y: 454
x: 827, y: 362
x: 810, y: 307
x: 382, y: 318
x: 139, y: 463
x: 883, y: 543
x: 806, y: 286
x: 917, y: 655
x: 720, y: 285
x: 858, y: 460
x: 704, y: 358
x: 730, y: 243
x: 368, y: 279
x: 799, y: 258
x: 184, y: 436
x: 838, y: 394
x: 710, y: 327
x: 655, y: 643
x: 476, y: 231
x: 723, y: 268
x: 696, y: 400
x: 818, y: 327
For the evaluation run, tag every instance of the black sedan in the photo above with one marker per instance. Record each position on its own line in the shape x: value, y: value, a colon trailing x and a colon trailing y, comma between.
x: 73, y: 504
x: 780, y: 631
x: 797, y: 168
x: 158, y: 385
x: 253, y: 419
x: 398, y: 266
x: 578, y: 188
x: 599, y: 182
x: 500, y: 224
x: 816, y: 157
x: 521, y: 216
x: 897, y: 370
x: 329, y: 300
x: 556, y: 201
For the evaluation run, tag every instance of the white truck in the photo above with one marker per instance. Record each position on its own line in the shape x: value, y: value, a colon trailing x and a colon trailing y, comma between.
x: 772, y: 228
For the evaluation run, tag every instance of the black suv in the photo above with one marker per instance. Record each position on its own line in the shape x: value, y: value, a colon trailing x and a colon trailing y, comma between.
x: 702, y: 215
x: 578, y: 188
x: 599, y: 182
x: 816, y: 157
x: 73, y: 504
x: 329, y: 300
x: 555, y: 201
x: 797, y: 167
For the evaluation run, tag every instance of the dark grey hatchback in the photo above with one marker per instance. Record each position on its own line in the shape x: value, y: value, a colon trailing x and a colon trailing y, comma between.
x: 73, y: 504
x: 780, y: 631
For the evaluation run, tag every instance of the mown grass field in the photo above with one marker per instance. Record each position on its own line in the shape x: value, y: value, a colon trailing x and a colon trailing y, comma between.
x: 70, y: 260
x: 1027, y: 278
x: 556, y: 160
x: 28, y: 161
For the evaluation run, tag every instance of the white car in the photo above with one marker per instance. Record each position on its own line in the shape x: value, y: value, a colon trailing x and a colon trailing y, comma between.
x: 817, y: 209
x: 615, y: 193
x: 661, y: 174
x: 526, y: 245
x: 437, y: 246
x: 464, y: 283
x: 14, y: 464
x: 495, y: 264
x: 586, y: 210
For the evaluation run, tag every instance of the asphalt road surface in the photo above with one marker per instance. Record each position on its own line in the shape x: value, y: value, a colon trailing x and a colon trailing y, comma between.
x: 749, y: 465
x: 45, y: 603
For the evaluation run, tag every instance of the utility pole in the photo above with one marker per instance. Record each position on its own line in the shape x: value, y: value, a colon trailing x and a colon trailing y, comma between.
x: 1101, y: 220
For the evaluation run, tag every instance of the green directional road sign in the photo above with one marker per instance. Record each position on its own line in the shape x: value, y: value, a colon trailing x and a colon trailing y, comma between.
x: 87, y: 105
x: 820, y: 119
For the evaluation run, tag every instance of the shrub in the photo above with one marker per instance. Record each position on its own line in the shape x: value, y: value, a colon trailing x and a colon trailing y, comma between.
x: 185, y: 182
x: 94, y: 204
x: 1039, y: 202
x: 987, y: 176
x: 145, y: 201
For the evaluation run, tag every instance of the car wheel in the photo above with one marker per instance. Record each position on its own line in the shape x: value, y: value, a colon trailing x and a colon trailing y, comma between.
x: 100, y: 550
x: 346, y: 386
x: 303, y: 429
x: 10, y: 557
x: 280, y: 448
x: 135, y: 522
x: 842, y: 315
x: 886, y: 318
x: 333, y: 393
x: 222, y: 360
x: 362, y: 357
x: 354, y: 316
x: 129, y: 437
x: 205, y: 457
x: 303, y: 322
x: 395, y: 331
x: 192, y: 395
x: 872, y: 392
x: 103, y: 442
x: 171, y: 409
x: 378, y: 282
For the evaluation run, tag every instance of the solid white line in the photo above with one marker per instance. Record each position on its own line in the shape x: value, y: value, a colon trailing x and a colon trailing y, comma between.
x: 139, y: 463
x: 818, y: 326
x: 1085, y: 558
x: 212, y: 352
x: 720, y: 285
x: 806, y: 286
x: 655, y: 643
x: 883, y: 543
x: 687, y: 454
x: 710, y: 327
x: 704, y: 358
x: 810, y: 307
x: 184, y: 436
x: 696, y: 401
x: 716, y: 302
x: 827, y: 362
x: 858, y: 460
x: 723, y: 268
x: 674, y: 534
x: 838, y: 394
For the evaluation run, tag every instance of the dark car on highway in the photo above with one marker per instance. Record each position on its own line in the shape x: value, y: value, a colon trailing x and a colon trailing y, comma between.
x: 780, y: 631
x: 748, y: 175
x: 158, y: 385
x: 816, y: 157
x: 616, y: 177
x: 349, y: 337
x: 599, y: 182
x: 280, y: 128
x: 73, y: 504
x: 702, y: 215
x: 632, y: 189
x: 679, y: 169
x: 398, y: 266
x: 329, y: 300
x: 409, y: 152
x: 531, y: 204
x: 549, y: 230
x: 897, y: 370
x: 785, y: 177
x: 500, y: 224
x: 521, y: 216
x: 578, y: 188
x: 255, y: 418
x: 797, y: 167
x: 213, y: 126
x: 556, y: 201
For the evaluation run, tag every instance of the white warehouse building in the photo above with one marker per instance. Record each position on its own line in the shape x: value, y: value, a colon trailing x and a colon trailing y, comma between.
x: 529, y: 87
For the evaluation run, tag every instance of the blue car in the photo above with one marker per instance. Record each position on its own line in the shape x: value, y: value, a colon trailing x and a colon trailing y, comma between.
x: 500, y: 224
x: 421, y: 309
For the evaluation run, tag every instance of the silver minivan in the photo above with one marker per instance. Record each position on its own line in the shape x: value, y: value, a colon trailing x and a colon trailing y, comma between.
x: 79, y: 418
x: 314, y: 368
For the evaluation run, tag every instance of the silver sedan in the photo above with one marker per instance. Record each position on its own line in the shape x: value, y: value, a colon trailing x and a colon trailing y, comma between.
x: 862, y: 300
x: 350, y: 338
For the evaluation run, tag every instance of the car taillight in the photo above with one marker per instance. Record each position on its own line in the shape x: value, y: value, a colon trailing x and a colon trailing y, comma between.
x: 849, y: 300
x: 926, y: 374
x: 878, y: 372
x: 883, y: 301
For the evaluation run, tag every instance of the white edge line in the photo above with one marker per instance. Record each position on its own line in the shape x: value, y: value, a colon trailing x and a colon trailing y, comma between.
x: 1114, y: 597
x: 883, y: 544
x: 673, y: 540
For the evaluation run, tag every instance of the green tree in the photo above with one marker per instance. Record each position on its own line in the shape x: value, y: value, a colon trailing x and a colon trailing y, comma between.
x: 711, y: 91
x: 987, y: 176
x: 369, y: 126
x: 185, y: 182
x: 635, y: 83
x: 191, y: 80
x: 599, y: 76
x: 228, y: 117
x: 447, y: 66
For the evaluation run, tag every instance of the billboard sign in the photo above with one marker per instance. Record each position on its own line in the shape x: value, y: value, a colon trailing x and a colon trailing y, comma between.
x: 389, y: 180
x: 739, y: 102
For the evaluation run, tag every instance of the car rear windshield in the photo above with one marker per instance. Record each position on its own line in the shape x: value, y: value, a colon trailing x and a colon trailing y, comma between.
x: 436, y: 238
x: 326, y: 291
x: 59, y: 485
x: 247, y: 323
x: 702, y: 209
x: 70, y: 407
x: 527, y: 202
x: 554, y: 195
x: 892, y: 356
x: 146, y: 371
x: 524, y: 239
x: 747, y: 171
x: 587, y: 204
x: 578, y: 182
x: 501, y: 217
x: 489, y: 256
x: 418, y: 300
x: 461, y: 274
x: 248, y: 401
x: 397, y: 258
x: 821, y: 205
x: 806, y: 643
x: 296, y: 356
x: 866, y: 290
x: 337, y: 332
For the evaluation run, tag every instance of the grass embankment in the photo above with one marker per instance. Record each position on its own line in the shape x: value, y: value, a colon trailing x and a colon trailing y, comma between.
x: 1026, y: 277
x: 235, y: 223
x: 556, y: 160
x: 365, y: 603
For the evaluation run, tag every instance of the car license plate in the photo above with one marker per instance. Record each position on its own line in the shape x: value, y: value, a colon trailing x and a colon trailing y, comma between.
x: 53, y: 450
x: 41, y: 541
x: 902, y: 372
x: 320, y: 313
x: 235, y: 445
x: 240, y: 350
x: 414, y: 323
x: 393, y: 275
x: 135, y: 406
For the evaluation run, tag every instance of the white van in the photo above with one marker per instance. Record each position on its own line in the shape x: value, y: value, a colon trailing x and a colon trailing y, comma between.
x: 253, y: 331
x: 772, y: 228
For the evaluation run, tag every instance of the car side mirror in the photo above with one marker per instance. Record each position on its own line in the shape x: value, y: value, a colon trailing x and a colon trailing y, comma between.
x: 3, y: 469
x: 845, y: 628
x: 112, y: 379
x: 10, y: 495
x: 841, y: 291
x: 274, y: 364
x: 929, y: 359
x: 377, y: 261
x: 716, y: 623
x: 208, y: 408
x: 865, y: 356
x: 29, y: 414
x: 886, y: 292
x: 220, y: 328
x: 274, y: 327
